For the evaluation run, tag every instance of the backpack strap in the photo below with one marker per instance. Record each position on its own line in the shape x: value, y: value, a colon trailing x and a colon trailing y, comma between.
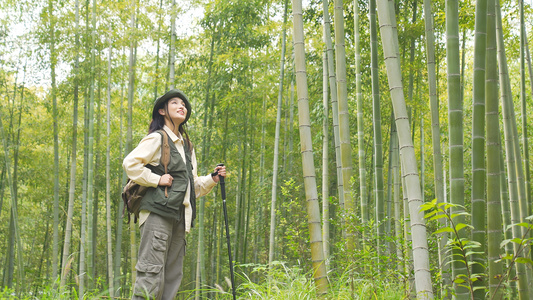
x: 165, y: 154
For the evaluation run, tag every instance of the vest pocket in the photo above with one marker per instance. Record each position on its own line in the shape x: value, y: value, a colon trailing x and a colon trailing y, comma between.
x: 176, y: 194
x: 180, y: 186
x: 159, y: 196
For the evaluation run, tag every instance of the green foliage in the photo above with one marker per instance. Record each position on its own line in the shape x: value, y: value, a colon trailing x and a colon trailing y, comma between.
x: 246, y: 50
x: 285, y: 282
x: 465, y: 248
x: 363, y: 270
x: 512, y: 259
x: 292, y: 219
x: 459, y: 249
x: 281, y: 282
x: 7, y: 293
x: 50, y: 292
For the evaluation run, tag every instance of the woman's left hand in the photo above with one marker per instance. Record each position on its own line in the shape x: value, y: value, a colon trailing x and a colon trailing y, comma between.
x: 221, y: 170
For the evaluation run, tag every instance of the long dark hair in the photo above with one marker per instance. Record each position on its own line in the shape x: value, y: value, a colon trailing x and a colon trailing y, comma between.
x: 158, y: 122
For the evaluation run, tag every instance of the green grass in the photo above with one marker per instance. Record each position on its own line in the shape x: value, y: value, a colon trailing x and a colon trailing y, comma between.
x: 282, y: 282
x: 286, y: 283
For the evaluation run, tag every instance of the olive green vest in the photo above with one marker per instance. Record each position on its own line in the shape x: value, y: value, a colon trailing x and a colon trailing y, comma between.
x: 172, y: 206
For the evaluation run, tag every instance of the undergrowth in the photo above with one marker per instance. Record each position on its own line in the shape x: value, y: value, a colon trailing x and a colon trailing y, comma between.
x: 283, y: 282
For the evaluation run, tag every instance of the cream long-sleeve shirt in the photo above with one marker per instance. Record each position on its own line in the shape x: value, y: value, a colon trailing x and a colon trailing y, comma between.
x: 149, y: 152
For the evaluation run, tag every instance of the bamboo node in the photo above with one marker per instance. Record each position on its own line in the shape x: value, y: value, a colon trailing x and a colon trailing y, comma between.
x: 457, y: 179
x: 422, y: 270
x: 409, y: 174
x: 395, y: 88
x: 321, y: 277
x: 406, y: 146
x: 420, y: 248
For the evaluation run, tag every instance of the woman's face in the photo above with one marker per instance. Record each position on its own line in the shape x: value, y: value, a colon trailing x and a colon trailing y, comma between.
x: 177, y: 111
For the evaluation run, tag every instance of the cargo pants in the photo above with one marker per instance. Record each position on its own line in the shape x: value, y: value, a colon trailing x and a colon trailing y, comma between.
x: 160, y: 261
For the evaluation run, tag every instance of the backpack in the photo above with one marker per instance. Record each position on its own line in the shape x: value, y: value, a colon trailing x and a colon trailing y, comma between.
x: 133, y: 193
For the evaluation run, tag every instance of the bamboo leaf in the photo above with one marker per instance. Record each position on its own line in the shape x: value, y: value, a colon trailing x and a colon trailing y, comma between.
x: 462, y: 213
x: 427, y: 206
x: 455, y: 205
x: 470, y: 253
x: 446, y: 206
x: 437, y: 217
x: 523, y: 224
x: 461, y: 226
x: 429, y: 213
x: 508, y: 257
x: 445, y: 229
x: 505, y: 242
x: 459, y: 280
x: 472, y: 244
x: 465, y: 286
x: 524, y: 260
x: 471, y: 263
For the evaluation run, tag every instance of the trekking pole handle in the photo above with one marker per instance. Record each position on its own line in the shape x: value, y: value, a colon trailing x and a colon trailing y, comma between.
x: 216, y: 172
x: 222, y: 183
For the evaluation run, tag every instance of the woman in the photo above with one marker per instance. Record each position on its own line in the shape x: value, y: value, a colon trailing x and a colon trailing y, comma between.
x: 166, y: 216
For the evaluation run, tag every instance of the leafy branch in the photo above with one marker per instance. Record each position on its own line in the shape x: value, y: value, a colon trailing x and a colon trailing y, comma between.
x: 463, y: 247
x: 522, y: 242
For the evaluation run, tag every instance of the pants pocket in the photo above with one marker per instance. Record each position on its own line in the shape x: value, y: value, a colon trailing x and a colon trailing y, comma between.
x: 148, y: 280
x: 159, y: 241
x: 150, y: 273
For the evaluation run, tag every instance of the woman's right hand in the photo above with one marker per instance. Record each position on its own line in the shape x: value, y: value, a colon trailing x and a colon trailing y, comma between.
x: 166, y: 180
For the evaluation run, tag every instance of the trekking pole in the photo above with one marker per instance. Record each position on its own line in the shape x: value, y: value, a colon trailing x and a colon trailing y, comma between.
x: 223, y: 194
